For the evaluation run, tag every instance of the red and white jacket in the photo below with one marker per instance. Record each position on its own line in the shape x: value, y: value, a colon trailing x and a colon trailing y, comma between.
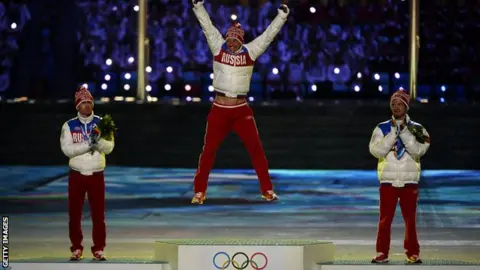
x: 233, y: 71
x: 75, y: 145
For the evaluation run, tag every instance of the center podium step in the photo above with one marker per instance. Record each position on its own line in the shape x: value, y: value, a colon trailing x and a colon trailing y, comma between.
x: 278, y: 254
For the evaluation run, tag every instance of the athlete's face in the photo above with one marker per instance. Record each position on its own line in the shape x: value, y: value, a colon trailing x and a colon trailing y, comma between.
x: 85, y: 108
x: 399, y: 110
x: 233, y: 45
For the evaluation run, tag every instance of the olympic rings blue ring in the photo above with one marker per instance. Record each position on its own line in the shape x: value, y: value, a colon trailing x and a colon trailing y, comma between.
x: 223, y: 266
x: 236, y: 265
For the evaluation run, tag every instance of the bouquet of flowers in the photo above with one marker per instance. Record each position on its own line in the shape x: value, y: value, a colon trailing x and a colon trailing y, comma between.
x: 105, y: 129
x: 417, y: 131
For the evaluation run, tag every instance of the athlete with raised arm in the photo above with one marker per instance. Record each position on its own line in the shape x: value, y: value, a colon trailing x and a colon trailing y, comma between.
x: 233, y: 63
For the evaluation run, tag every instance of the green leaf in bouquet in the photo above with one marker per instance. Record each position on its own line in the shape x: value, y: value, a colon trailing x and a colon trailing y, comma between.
x: 417, y: 131
x: 107, y: 127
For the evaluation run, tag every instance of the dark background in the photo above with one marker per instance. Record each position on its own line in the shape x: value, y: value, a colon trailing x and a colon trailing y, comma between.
x: 296, y: 135
x: 47, y: 49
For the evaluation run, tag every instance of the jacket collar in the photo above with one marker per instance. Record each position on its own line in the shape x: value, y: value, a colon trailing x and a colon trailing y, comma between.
x: 407, y: 118
x: 85, y: 120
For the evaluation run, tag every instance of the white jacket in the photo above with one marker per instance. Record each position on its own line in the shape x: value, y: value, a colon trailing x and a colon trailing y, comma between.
x: 233, y: 71
x: 75, y: 145
x: 384, y: 146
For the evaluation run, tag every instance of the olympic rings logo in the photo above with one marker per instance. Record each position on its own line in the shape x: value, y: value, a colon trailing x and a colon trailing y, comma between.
x: 239, y: 261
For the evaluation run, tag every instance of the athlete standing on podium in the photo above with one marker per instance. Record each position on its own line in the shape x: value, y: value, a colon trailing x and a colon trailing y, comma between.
x: 233, y: 63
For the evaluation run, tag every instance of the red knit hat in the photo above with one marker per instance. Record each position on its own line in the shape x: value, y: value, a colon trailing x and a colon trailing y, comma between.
x: 401, y: 95
x: 236, y: 32
x: 82, y: 95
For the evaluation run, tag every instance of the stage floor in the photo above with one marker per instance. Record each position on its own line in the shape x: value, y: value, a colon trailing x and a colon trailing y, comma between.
x: 145, y: 204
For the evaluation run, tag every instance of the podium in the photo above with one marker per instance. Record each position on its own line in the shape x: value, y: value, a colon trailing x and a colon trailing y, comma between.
x: 246, y: 254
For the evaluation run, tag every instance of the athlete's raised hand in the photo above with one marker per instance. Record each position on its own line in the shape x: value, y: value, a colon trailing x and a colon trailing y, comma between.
x: 284, y: 7
x: 197, y: 2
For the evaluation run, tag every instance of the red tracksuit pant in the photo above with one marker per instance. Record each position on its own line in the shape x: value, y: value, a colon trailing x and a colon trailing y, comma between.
x: 94, y: 187
x: 389, y: 197
x: 220, y: 122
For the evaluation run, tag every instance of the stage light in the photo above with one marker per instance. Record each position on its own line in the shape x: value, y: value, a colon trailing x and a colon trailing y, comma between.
x: 109, y: 62
x: 380, y: 88
x: 85, y: 85
x: 359, y: 75
x: 131, y: 59
x: 126, y: 87
x: 188, y: 87
x: 312, y: 10
x: 336, y: 70
x: 443, y: 88
x: 148, y: 88
x: 356, y: 88
x: 13, y: 26
x: 104, y: 86
x: 189, y: 98
x: 397, y: 75
x: 211, y: 98
x: 169, y: 69
x: 275, y: 70
x: 251, y: 99
x: 107, y: 77
x: 136, y: 8
x: 210, y: 88
x: 376, y: 76
x: 128, y: 76
x: 233, y: 17
x: 442, y: 100
x: 211, y: 76
x: 168, y: 87
x: 148, y: 69
x: 152, y: 99
x: 314, y: 88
